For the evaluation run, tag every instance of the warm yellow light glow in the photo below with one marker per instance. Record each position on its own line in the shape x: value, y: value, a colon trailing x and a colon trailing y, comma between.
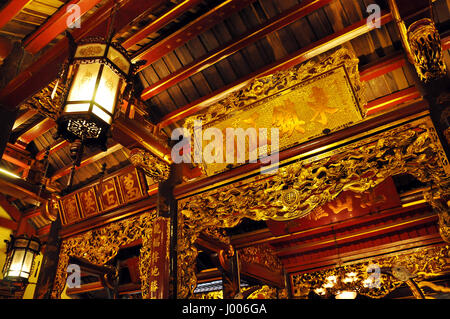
x: 77, y: 107
x: 320, y: 291
x: 107, y: 89
x: 83, y: 86
x: 101, y: 114
x: 350, y: 277
x: 346, y: 295
x: 6, y: 172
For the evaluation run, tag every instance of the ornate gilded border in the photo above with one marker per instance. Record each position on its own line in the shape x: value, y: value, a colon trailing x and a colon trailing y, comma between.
x: 98, y: 246
x: 412, y: 148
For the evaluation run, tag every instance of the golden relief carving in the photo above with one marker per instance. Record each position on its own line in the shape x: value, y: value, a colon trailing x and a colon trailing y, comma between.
x: 265, y: 292
x: 376, y: 277
x: 412, y: 148
x: 263, y: 255
x: 209, y: 295
x: 426, y: 47
x: 98, y: 246
x: 154, y: 167
x: 274, y: 83
x: 439, y: 199
x: 46, y: 104
x: 296, y: 101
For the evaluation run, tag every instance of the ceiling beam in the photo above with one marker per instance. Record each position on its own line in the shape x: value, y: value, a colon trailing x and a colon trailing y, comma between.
x: 10, y: 10
x: 16, y: 156
x: 12, y: 211
x: 154, y: 52
x: 276, y: 23
x: 86, y: 161
x: 392, y: 100
x: 382, y: 66
x: 53, y: 148
x: 353, y: 31
x: 45, y: 70
x: 35, y: 130
x: 160, y: 22
x: 56, y: 25
x: 24, y: 117
x: 8, y: 224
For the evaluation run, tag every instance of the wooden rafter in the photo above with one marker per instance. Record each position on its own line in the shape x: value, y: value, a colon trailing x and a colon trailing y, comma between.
x: 36, y: 130
x: 160, y: 22
x: 312, y: 50
x: 392, y: 100
x: 52, y: 149
x: 44, y: 70
x: 23, y: 117
x: 56, y: 25
x: 10, y: 10
x: 206, y: 21
x: 12, y: 211
x: 272, y: 25
x: 8, y: 224
x: 86, y: 161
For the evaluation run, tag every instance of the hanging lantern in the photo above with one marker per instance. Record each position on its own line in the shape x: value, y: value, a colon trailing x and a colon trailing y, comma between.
x: 97, y: 77
x: 20, y: 257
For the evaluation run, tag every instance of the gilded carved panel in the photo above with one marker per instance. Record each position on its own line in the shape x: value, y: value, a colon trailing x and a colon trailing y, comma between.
x: 411, y: 148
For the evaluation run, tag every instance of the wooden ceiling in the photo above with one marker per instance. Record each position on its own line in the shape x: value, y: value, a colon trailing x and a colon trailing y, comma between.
x: 196, y: 51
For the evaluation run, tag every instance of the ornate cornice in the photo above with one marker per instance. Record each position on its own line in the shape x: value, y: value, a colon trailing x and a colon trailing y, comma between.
x: 412, y: 148
x: 100, y: 245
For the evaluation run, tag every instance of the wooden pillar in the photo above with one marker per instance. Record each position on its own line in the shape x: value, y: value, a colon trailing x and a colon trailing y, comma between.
x: 49, y: 265
x: 168, y: 207
x: 228, y: 264
x: 7, y: 119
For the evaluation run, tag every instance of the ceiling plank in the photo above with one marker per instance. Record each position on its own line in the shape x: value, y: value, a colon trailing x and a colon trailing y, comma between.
x: 153, y: 53
x: 11, y: 10
x: 160, y: 22
x: 291, y: 60
x: 276, y: 23
x: 56, y: 25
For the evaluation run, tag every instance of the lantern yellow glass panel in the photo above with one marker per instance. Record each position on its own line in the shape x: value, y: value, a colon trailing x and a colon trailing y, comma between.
x: 19, y: 262
x: 98, y: 75
x: 94, y: 90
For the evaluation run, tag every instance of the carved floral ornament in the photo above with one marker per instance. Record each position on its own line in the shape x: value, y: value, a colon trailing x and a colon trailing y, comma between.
x: 412, y: 148
x: 98, y: 246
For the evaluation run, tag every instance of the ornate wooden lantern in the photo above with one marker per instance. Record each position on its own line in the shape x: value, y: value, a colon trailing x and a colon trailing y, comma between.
x: 97, y: 77
x: 21, y: 252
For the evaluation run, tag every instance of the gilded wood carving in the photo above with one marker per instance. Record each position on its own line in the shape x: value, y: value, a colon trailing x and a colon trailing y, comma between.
x: 420, y: 264
x: 412, y: 148
x: 98, y: 246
